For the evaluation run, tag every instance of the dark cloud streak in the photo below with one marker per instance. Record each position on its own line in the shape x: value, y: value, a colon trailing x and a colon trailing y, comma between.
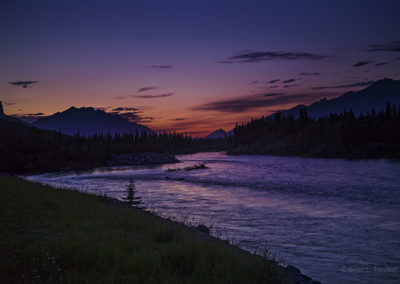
x: 153, y: 96
x: 389, y: 47
x: 289, y: 81
x: 131, y: 113
x: 259, y: 56
x: 23, y: 84
x: 29, y: 117
x: 161, y: 66
x: 125, y: 109
x: 252, y: 102
x: 145, y: 96
x: 310, y: 74
x: 273, y: 95
x: 136, y: 116
x: 353, y: 85
x: 144, y: 89
x: 362, y: 63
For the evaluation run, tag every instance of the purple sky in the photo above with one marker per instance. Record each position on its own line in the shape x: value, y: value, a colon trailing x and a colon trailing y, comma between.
x: 191, y: 66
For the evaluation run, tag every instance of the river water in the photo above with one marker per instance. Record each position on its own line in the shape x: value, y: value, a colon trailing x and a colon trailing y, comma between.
x: 337, y: 220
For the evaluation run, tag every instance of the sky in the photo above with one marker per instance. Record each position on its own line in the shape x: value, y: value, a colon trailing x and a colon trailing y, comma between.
x: 191, y: 66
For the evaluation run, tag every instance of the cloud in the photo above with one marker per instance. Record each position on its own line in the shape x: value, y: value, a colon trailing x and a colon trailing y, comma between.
x: 102, y: 108
x: 274, y: 81
x: 273, y: 95
x: 132, y: 114
x: 353, y: 85
x: 29, y: 117
x: 153, y: 96
x: 179, y: 119
x: 135, y: 116
x: 390, y: 47
x: 125, y: 109
x: 23, y: 84
x: 145, y: 96
x: 254, y: 82
x: 273, y: 87
x: 380, y: 64
x: 259, y: 56
x: 161, y: 66
x: 144, y: 89
x: 290, y: 86
x: 289, y: 81
x: 36, y: 114
x: 310, y: 74
x: 362, y: 63
x: 252, y: 102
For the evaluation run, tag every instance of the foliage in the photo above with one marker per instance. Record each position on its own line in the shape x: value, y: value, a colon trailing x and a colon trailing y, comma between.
x: 27, y: 149
x: 369, y: 135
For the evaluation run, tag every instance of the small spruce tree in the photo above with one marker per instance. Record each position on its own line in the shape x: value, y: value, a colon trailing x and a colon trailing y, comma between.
x: 130, y: 197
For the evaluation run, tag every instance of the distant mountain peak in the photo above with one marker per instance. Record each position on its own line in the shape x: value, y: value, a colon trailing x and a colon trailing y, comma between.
x: 385, y: 81
x: 374, y: 96
x: 219, y: 133
x: 89, y: 121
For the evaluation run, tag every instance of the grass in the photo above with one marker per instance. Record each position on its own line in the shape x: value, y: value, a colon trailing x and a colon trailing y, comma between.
x: 50, y: 235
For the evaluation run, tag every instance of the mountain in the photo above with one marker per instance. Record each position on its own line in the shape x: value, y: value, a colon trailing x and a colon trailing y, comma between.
x: 218, y: 134
x: 373, y: 97
x: 89, y: 121
x: 9, y: 118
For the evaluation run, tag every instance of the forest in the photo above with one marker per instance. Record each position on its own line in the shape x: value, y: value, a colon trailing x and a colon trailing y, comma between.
x: 26, y: 149
x: 374, y: 134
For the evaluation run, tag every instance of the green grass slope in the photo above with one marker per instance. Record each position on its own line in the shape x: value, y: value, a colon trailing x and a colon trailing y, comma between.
x: 49, y: 235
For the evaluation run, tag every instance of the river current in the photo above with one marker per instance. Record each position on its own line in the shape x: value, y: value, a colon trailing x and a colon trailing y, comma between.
x: 337, y: 220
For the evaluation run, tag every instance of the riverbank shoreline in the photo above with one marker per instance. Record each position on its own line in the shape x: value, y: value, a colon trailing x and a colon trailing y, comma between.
x: 38, y: 202
x: 129, y: 159
x: 317, y: 153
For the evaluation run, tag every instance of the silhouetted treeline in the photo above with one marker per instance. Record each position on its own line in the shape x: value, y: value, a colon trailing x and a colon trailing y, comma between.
x: 369, y: 135
x: 29, y: 149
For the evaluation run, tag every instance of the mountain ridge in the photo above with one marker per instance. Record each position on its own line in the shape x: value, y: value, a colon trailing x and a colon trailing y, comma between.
x: 373, y: 97
x: 88, y: 121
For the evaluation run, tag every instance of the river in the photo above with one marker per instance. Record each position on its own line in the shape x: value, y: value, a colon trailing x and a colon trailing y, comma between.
x: 337, y: 220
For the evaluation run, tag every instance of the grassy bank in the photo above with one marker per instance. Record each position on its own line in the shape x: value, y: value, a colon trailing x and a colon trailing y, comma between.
x: 52, y: 235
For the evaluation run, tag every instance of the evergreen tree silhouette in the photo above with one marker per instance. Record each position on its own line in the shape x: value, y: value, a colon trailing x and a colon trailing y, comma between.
x: 130, y: 197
